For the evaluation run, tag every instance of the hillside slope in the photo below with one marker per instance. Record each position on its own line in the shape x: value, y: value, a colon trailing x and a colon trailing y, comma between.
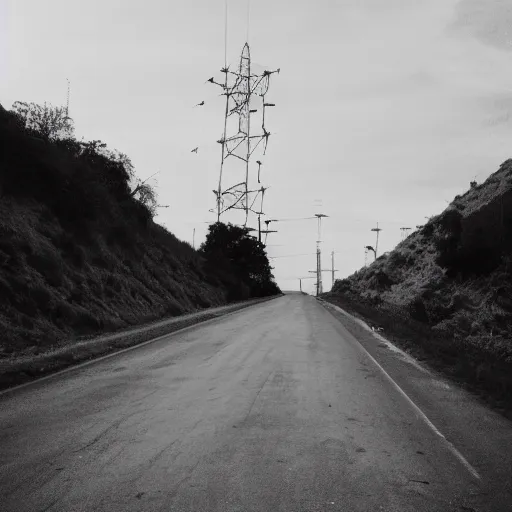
x: 79, y: 255
x: 453, y: 277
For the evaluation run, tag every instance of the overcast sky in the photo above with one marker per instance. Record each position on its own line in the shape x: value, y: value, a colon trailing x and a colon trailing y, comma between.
x: 385, y: 109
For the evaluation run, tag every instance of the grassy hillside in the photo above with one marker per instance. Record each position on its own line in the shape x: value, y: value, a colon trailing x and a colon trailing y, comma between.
x: 448, y: 286
x: 79, y: 254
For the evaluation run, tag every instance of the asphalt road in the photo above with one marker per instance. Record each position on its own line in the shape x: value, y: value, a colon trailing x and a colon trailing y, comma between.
x: 274, y: 408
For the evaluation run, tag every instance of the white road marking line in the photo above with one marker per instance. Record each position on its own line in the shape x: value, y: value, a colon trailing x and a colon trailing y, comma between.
x: 405, y: 356
x: 422, y: 415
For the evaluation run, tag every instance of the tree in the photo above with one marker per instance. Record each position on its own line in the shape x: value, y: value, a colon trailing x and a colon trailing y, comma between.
x: 145, y: 193
x: 52, y: 123
x: 119, y: 173
x: 233, y: 248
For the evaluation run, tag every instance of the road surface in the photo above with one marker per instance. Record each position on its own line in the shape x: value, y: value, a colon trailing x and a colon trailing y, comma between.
x: 274, y: 408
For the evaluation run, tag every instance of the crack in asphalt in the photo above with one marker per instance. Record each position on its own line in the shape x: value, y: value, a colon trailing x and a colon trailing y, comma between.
x: 175, y: 491
x: 257, y: 395
x: 102, y: 434
x: 36, y: 475
x: 48, y: 507
x: 159, y: 454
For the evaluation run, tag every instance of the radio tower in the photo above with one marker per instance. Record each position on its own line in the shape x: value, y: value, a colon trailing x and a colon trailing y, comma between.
x: 245, y: 106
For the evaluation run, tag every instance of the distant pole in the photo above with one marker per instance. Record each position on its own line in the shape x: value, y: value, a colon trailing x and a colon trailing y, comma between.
x: 194, y: 239
x: 318, y: 273
x: 319, y: 288
x: 300, y: 284
x: 332, y: 257
x: 377, y: 230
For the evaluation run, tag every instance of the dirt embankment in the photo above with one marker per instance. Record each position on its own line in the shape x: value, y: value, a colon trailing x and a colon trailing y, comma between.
x: 446, y: 291
x: 80, y: 255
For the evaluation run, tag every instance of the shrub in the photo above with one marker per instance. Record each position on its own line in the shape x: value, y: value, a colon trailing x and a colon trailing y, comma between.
x: 48, y: 265
x: 64, y: 315
x: 418, y: 311
x: 42, y: 297
x: 427, y: 230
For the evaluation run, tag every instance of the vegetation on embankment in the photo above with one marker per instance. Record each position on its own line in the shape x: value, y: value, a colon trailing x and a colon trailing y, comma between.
x: 79, y: 251
x: 446, y: 291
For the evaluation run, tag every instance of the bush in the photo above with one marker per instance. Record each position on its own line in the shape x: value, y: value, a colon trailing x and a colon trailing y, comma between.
x: 42, y: 297
x: 427, y: 230
x: 418, y: 311
x: 48, y: 265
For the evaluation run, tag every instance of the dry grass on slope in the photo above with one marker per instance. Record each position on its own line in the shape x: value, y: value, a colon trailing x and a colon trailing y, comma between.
x: 450, y: 282
x: 55, y: 287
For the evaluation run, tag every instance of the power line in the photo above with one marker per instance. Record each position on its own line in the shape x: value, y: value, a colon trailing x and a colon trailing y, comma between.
x: 295, y: 218
x: 292, y: 255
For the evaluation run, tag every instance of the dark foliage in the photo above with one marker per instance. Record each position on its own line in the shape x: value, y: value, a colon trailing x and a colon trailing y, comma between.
x: 240, y: 261
x: 466, y: 251
x: 79, y: 251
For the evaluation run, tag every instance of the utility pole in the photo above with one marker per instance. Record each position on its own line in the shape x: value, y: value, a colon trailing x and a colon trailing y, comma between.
x: 369, y: 248
x: 266, y: 232
x: 300, y: 284
x: 194, y: 239
x: 318, y: 271
x: 377, y: 230
x: 319, y: 288
x: 333, y: 269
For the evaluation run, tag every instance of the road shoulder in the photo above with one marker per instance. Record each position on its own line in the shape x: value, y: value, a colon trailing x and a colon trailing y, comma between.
x: 475, y: 430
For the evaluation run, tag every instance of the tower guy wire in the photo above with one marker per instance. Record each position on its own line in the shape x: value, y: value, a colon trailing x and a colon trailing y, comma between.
x: 245, y: 93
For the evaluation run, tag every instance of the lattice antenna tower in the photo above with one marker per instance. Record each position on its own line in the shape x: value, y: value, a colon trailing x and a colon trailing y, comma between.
x: 245, y: 93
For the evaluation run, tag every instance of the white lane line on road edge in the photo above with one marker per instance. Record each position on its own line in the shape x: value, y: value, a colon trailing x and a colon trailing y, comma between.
x: 404, y: 355
x: 419, y: 412
x: 123, y: 350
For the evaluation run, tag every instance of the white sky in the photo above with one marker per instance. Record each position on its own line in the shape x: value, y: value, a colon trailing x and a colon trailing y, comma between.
x: 385, y: 109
